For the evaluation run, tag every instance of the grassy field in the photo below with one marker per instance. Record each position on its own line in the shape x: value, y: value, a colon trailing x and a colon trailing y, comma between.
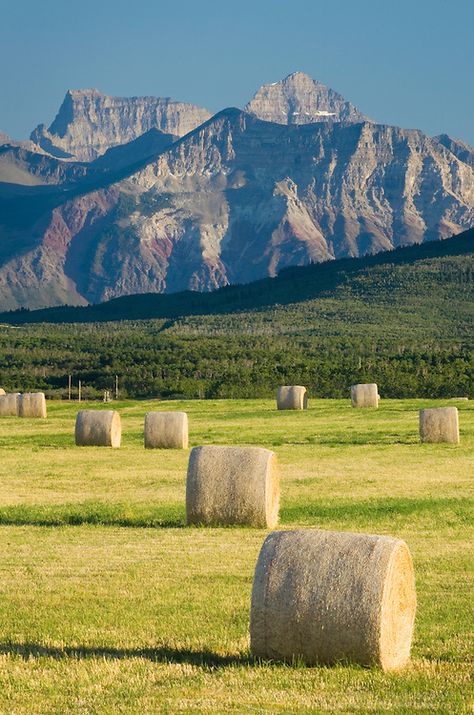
x: 109, y: 604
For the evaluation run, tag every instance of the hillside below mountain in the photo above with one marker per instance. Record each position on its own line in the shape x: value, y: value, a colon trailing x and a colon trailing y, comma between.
x: 402, y: 319
x: 429, y: 285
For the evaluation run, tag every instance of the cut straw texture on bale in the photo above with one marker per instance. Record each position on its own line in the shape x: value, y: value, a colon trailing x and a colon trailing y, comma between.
x: 324, y: 597
x: 32, y: 404
x: 439, y: 424
x: 98, y: 428
x: 365, y: 395
x: 9, y: 404
x: 292, y: 397
x: 232, y: 486
x: 166, y: 430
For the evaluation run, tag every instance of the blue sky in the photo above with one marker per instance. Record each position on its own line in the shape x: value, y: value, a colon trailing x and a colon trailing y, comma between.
x: 409, y: 63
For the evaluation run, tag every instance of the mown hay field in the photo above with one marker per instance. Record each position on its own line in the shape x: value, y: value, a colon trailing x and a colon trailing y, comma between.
x: 109, y: 604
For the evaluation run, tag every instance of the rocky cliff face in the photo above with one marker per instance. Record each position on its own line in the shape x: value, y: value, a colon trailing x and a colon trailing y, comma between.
x: 238, y: 199
x: 461, y: 149
x: 298, y: 99
x: 88, y: 122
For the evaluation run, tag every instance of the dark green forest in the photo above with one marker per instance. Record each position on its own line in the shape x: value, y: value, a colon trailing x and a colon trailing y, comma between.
x: 403, y: 319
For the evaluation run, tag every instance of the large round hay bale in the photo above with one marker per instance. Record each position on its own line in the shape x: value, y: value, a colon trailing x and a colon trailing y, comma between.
x: 292, y: 397
x: 232, y: 486
x: 32, y: 404
x: 439, y: 424
x: 2, y: 391
x: 365, y: 395
x: 325, y: 597
x: 9, y: 404
x: 166, y: 430
x: 98, y: 428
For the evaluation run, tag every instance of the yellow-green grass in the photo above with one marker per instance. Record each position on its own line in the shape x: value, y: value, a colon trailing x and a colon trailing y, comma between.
x: 109, y: 604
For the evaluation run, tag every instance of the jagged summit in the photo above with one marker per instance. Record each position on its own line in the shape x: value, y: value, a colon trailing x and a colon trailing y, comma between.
x: 90, y: 122
x: 299, y: 99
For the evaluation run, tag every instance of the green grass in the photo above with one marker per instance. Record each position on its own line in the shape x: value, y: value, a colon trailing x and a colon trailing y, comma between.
x: 110, y: 604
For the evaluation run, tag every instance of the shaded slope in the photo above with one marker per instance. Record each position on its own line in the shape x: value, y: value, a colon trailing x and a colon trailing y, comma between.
x: 375, y: 277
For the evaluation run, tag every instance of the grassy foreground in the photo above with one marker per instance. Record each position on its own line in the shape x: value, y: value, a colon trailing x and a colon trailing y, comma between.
x: 108, y: 604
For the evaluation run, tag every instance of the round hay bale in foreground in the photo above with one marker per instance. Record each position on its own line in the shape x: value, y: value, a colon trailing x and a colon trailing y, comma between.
x: 98, y: 428
x: 32, y: 404
x: 166, y: 430
x: 9, y: 404
x: 365, y: 395
x: 325, y: 597
x: 232, y: 486
x: 439, y: 424
x: 292, y: 397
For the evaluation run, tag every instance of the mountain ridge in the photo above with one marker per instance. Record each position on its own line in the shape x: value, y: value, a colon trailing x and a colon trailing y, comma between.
x: 238, y: 198
x: 233, y: 200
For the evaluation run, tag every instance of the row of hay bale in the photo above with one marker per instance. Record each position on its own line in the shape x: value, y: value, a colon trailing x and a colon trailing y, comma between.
x: 103, y: 428
x: 437, y: 424
x: 28, y: 404
x: 169, y: 430
x: 294, y: 397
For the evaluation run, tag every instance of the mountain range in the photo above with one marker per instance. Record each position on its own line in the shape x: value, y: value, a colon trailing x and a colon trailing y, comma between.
x: 147, y: 195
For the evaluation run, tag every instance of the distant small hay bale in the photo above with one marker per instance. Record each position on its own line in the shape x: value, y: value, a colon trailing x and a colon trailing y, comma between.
x: 439, y: 424
x: 292, y: 397
x: 325, y: 597
x: 460, y: 399
x: 365, y: 395
x: 98, y: 428
x: 32, y: 404
x: 232, y: 486
x: 166, y: 430
x: 9, y: 404
x: 2, y: 391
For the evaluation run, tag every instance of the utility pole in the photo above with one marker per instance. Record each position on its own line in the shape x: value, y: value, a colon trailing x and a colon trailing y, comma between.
x: 69, y: 387
x: 80, y: 390
x: 116, y: 387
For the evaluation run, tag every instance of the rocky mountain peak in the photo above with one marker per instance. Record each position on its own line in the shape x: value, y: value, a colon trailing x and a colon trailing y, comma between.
x: 299, y: 99
x: 90, y: 122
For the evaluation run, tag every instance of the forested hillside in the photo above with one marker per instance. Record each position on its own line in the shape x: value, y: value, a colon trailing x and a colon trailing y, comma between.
x: 403, y: 319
